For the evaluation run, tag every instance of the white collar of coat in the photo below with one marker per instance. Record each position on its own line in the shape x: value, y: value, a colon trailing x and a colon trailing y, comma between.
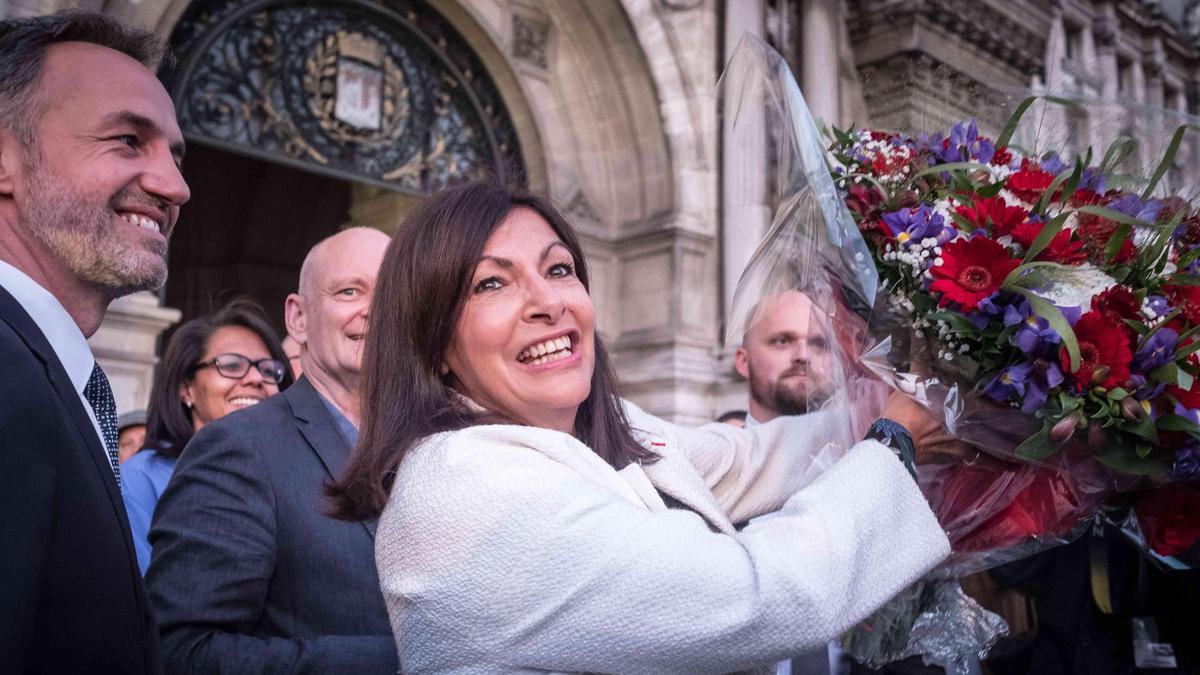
x: 672, y: 473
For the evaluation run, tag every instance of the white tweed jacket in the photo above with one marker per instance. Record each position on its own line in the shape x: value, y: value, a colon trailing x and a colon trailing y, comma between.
x: 516, y: 549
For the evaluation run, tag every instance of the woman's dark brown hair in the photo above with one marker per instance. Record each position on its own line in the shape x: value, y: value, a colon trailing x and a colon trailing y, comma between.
x: 168, y: 422
x: 419, y: 295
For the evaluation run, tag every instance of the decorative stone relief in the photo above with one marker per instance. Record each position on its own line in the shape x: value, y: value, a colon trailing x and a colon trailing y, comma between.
x: 531, y: 38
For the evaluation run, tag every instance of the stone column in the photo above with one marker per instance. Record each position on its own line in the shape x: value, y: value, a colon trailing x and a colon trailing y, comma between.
x: 125, y: 346
x: 819, y: 76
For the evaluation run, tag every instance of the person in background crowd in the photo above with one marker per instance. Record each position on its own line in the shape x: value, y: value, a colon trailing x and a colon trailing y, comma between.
x: 248, y: 574
x: 734, y: 418
x: 533, y: 521
x: 785, y: 358
x: 292, y: 349
x: 214, y: 365
x: 131, y: 433
x: 90, y: 190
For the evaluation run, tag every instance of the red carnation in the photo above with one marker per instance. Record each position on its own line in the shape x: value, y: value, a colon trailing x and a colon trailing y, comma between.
x: 993, y: 214
x: 1170, y: 519
x: 1062, y: 248
x: 1029, y: 183
x: 1187, y: 299
x: 1095, y: 232
x: 1003, y: 156
x: 1085, y: 197
x: 1101, y: 344
x: 971, y: 270
x: 1117, y: 303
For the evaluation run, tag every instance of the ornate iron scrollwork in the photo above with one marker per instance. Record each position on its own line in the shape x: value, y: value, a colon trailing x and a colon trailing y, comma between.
x: 390, y: 94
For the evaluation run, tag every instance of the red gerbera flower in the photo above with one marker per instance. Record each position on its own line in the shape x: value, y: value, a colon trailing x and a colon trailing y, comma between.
x: 1084, y: 197
x: 1095, y: 231
x: 993, y: 214
x: 1062, y: 248
x: 1102, y: 344
x: 971, y: 270
x: 1003, y: 156
x: 1117, y: 303
x: 1187, y: 298
x: 1029, y: 183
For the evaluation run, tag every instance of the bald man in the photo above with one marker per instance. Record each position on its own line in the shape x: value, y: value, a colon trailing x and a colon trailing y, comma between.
x: 248, y: 574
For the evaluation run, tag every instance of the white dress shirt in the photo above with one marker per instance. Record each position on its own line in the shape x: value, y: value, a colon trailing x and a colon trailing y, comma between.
x: 61, y: 331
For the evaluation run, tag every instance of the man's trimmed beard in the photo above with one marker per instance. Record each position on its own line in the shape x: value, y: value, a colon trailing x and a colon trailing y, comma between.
x: 784, y: 400
x: 79, y: 229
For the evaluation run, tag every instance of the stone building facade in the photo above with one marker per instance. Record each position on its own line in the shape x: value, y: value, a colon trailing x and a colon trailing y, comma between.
x: 607, y: 105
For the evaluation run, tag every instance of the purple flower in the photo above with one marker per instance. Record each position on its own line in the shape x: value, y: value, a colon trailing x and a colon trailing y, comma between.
x: 1132, y: 205
x: 1092, y: 179
x: 1187, y: 464
x: 914, y: 225
x: 1034, y: 334
x: 1053, y: 165
x: 964, y: 143
x: 1029, y: 382
x: 1010, y: 382
x: 1157, y: 351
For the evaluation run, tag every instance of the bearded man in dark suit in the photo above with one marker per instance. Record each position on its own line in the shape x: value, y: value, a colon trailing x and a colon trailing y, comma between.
x: 248, y: 574
x: 90, y: 190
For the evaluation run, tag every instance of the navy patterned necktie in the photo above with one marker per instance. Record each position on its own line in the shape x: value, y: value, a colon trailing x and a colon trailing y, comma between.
x: 99, y: 394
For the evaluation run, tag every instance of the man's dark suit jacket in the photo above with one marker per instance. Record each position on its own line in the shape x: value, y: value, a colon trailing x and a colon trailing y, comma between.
x: 71, y: 595
x: 247, y: 574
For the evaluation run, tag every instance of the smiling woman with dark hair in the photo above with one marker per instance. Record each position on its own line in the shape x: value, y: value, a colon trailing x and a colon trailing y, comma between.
x: 214, y: 364
x: 531, y: 520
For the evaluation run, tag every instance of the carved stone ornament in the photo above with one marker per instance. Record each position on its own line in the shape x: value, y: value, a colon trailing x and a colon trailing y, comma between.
x: 531, y: 40
x: 386, y: 94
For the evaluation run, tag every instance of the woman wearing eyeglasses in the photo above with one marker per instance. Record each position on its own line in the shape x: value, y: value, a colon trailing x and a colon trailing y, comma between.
x: 214, y: 365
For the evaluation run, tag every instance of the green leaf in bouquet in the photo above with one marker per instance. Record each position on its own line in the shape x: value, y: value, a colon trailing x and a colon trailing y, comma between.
x: 1172, y: 422
x: 990, y: 191
x: 1113, y: 247
x: 1168, y: 374
x: 949, y: 166
x: 1187, y: 351
x: 1010, y: 126
x: 1068, y: 403
x: 1118, y: 456
x: 1049, y: 231
x: 1150, y: 333
x: 1046, y: 309
x: 1143, y: 428
x: 1138, y: 327
x: 1037, y: 446
x: 1142, y: 450
x: 1118, y: 151
x: 1072, y: 183
x: 1154, y: 254
x: 1168, y: 159
x: 1117, y: 394
x: 1055, y: 186
x: 1188, y: 258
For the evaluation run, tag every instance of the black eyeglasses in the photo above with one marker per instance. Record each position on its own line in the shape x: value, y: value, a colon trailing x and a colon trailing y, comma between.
x: 235, y: 366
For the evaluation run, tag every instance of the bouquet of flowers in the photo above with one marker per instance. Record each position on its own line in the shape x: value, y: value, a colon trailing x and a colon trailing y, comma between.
x: 1047, y: 306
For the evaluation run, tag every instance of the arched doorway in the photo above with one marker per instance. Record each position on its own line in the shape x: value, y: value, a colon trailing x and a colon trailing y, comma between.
x: 305, y: 117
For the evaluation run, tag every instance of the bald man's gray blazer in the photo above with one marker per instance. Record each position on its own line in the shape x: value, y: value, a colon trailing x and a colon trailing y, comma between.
x: 247, y: 574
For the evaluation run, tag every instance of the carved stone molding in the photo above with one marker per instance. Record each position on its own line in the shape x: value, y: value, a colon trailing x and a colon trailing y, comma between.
x: 530, y: 40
